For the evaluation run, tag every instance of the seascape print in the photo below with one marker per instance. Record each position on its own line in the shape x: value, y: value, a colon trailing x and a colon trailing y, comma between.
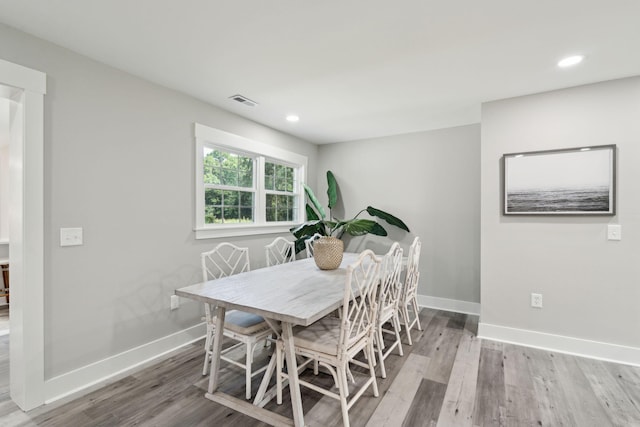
x: 589, y: 199
x: 564, y: 182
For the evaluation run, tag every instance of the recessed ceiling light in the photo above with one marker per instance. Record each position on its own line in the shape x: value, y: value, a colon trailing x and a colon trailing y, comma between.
x: 292, y: 118
x: 570, y: 61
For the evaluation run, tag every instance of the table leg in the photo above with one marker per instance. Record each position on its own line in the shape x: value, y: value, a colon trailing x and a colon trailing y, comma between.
x: 292, y: 369
x: 262, y: 390
x: 217, y: 349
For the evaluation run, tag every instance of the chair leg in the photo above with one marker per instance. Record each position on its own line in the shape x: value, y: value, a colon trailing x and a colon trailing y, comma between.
x: 396, y: 329
x: 417, y: 312
x: 407, y: 324
x: 343, y: 388
x: 207, y: 350
x: 372, y: 369
x: 379, y: 339
x: 248, y: 369
x: 279, y: 354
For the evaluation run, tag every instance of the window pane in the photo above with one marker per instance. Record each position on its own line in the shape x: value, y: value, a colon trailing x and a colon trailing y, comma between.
x: 210, y: 163
x: 281, y: 178
x: 212, y: 215
x: 269, y: 175
x: 217, y: 157
x: 245, y: 164
x: 231, y: 215
x: 271, y: 214
x: 281, y: 214
x: 231, y: 198
x: 212, y: 200
x: 246, y: 199
x: 229, y: 176
x: 245, y: 172
x: 224, y: 168
x: 245, y: 179
x: 213, y: 197
x: 282, y: 201
x: 290, y: 177
x: 246, y: 214
x: 224, y: 206
x: 280, y: 208
x: 217, y: 214
x: 271, y: 201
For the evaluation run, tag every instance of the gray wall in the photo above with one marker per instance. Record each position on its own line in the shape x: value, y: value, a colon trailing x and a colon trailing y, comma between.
x: 589, y: 285
x: 431, y: 180
x: 119, y: 162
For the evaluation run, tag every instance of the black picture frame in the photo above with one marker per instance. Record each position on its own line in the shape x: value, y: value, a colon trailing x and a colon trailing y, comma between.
x: 568, y: 181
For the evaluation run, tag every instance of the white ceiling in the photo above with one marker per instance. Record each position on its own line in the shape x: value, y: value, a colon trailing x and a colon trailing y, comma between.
x: 350, y: 69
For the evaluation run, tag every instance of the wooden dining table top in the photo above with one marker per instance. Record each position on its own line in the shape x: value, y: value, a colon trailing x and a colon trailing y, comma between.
x: 296, y: 292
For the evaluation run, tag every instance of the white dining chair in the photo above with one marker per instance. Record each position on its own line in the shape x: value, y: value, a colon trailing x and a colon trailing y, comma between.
x: 388, y: 305
x: 308, y: 244
x: 280, y: 251
x: 248, y: 329
x: 409, y: 296
x: 335, y: 341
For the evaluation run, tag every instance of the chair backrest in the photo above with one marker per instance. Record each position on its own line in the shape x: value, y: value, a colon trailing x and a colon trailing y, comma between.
x: 308, y: 244
x: 413, y: 274
x: 280, y: 251
x: 391, y: 285
x: 359, y: 303
x: 224, y: 260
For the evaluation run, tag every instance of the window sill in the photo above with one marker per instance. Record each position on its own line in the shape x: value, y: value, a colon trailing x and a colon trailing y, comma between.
x: 241, y: 230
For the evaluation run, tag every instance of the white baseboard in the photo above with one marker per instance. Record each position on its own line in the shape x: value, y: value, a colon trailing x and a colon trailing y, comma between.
x: 117, y: 366
x: 449, y: 304
x: 562, y: 344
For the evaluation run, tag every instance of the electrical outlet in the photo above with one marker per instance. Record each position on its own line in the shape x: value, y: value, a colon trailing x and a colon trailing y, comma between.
x: 175, y: 302
x: 536, y: 300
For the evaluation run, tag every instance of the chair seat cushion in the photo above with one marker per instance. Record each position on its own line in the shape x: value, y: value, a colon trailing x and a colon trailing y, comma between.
x: 244, y: 323
x: 321, y: 336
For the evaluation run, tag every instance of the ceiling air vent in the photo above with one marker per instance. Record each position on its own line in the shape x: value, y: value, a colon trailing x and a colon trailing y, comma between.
x: 243, y: 100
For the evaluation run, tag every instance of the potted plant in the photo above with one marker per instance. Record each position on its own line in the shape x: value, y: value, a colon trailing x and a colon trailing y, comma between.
x: 328, y: 249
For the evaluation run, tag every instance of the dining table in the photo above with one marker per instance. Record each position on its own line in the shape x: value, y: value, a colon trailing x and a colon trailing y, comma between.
x: 285, y: 295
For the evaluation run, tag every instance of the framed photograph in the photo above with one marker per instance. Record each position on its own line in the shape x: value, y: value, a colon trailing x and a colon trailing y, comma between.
x: 572, y: 181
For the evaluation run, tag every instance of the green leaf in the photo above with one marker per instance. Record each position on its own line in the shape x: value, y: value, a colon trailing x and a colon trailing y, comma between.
x: 332, y: 189
x: 300, y: 244
x: 311, y: 214
x: 360, y: 227
x: 312, y: 197
x: 387, y: 217
x: 308, y: 229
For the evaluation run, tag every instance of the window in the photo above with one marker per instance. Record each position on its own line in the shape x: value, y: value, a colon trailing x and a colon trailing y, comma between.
x: 228, y: 187
x: 245, y: 187
x: 279, y: 184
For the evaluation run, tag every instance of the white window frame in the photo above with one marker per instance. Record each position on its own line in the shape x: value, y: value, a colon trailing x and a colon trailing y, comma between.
x: 206, y: 136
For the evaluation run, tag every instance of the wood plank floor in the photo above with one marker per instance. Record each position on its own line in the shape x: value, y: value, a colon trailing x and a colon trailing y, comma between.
x: 448, y: 377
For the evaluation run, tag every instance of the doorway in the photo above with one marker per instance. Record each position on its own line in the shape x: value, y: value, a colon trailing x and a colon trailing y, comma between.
x: 5, y: 93
x: 24, y: 89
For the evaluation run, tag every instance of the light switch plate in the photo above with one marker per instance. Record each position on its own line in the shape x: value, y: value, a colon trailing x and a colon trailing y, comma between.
x: 614, y: 232
x: 71, y: 236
